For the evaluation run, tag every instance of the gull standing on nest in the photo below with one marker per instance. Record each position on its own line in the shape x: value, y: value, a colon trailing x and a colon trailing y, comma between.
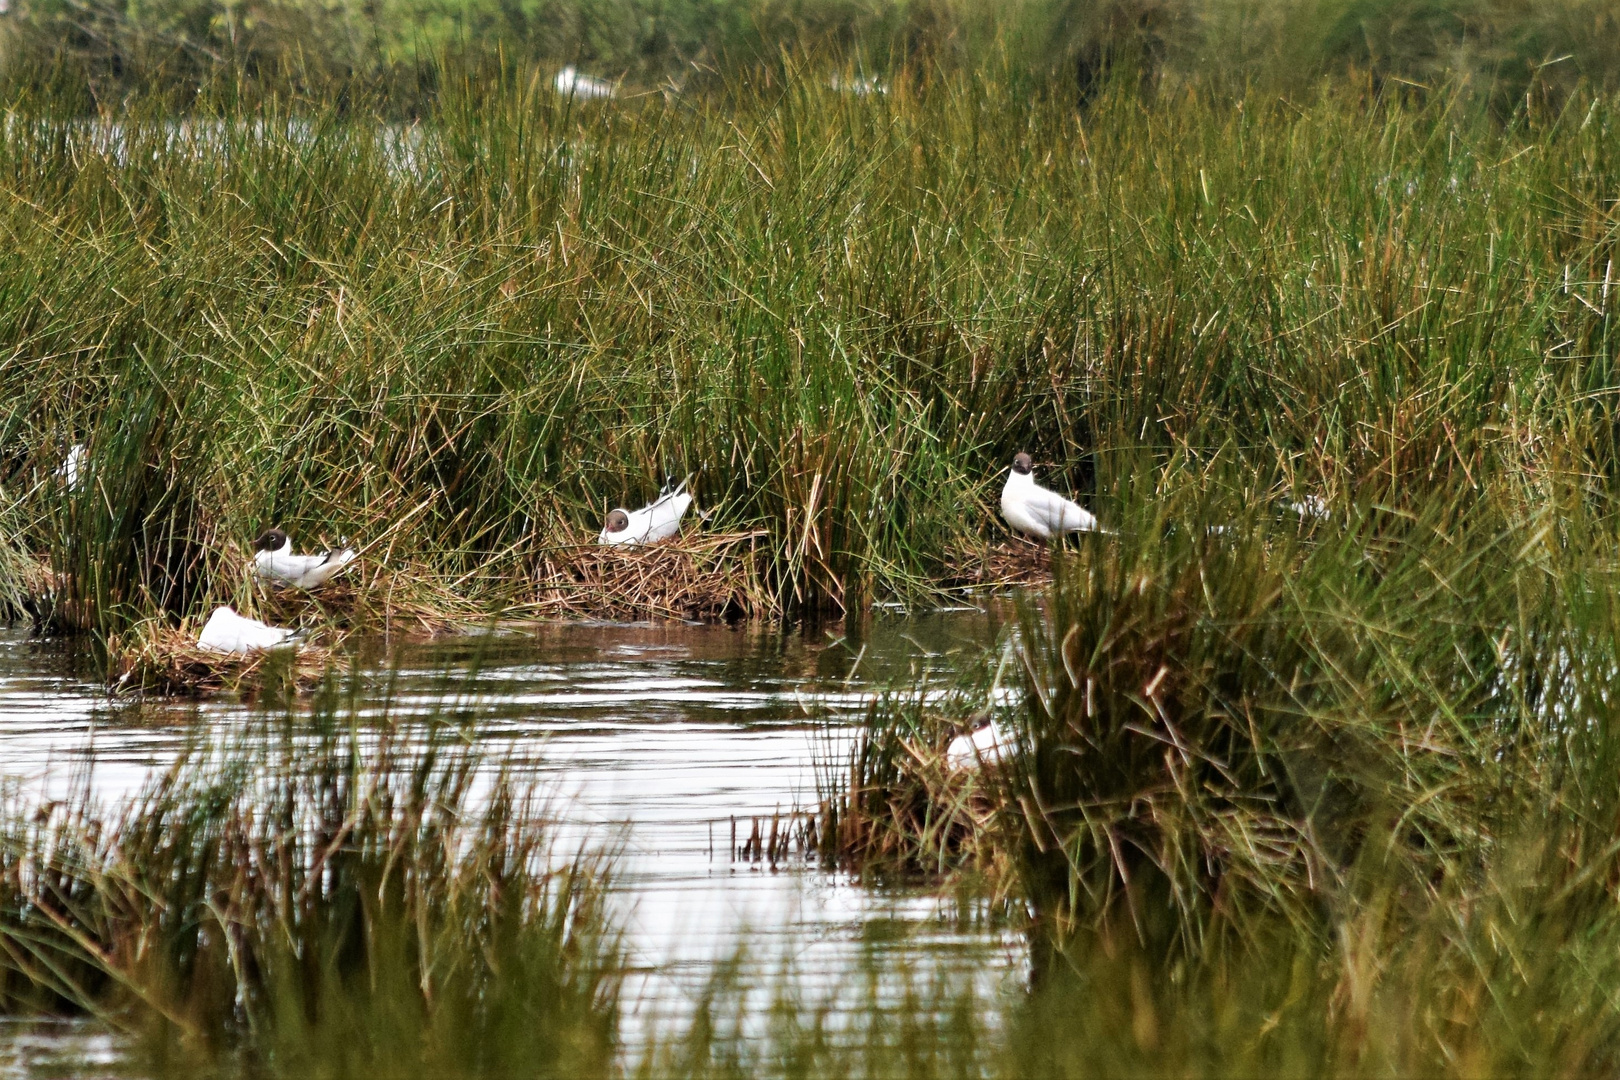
x: 658, y: 520
x: 274, y: 562
x: 1037, y: 512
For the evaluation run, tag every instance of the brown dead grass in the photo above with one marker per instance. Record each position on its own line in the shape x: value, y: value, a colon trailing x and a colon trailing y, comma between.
x: 405, y: 600
x: 696, y: 576
x: 166, y: 660
x: 1010, y: 563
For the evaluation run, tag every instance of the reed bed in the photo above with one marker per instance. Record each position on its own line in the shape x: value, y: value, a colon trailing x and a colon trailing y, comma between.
x: 1324, y: 797
x: 460, y: 342
x: 302, y: 898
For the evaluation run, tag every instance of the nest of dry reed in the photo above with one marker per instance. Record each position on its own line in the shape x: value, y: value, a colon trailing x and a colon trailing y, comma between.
x: 1008, y: 564
x: 709, y: 576
x: 167, y: 660
x: 389, y: 601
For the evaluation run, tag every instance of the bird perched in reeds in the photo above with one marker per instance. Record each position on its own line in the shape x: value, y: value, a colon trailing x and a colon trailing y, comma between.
x: 274, y: 562
x: 658, y: 520
x: 1035, y: 511
x: 228, y: 632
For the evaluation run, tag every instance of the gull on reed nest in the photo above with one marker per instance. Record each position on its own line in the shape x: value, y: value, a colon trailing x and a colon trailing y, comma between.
x: 1038, y: 512
x: 274, y: 562
x: 228, y: 632
x: 658, y: 520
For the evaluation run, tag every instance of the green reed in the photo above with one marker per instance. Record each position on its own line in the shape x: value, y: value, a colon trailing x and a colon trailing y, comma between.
x: 462, y: 340
x: 305, y: 898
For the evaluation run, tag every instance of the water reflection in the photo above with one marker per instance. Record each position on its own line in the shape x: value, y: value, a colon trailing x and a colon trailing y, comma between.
x: 653, y: 736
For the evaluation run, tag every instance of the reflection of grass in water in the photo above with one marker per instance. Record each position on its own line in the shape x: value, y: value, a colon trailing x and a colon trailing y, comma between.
x: 312, y: 901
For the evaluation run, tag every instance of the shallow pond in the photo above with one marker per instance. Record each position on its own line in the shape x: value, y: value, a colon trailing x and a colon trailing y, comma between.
x: 652, y: 738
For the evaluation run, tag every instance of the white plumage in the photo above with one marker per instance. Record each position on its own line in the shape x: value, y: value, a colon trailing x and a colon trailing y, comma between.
x: 274, y: 561
x: 1310, y: 506
x: 228, y: 632
x: 73, y: 466
x: 571, y: 83
x: 1035, y: 511
x: 984, y: 745
x: 658, y: 520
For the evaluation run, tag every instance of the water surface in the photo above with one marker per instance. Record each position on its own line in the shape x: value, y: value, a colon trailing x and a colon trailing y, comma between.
x: 652, y: 737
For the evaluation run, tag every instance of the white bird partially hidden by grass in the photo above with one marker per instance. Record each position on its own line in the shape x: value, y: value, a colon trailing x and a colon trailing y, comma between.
x: 73, y: 467
x: 572, y: 83
x: 228, y: 632
x: 1037, y: 512
x: 274, y: 562
x: 1310, y: 507
x: 986, y: 744
x: 658, y: 520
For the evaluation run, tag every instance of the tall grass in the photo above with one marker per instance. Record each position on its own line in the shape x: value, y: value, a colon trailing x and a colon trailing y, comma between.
x: 463, y: 340
x: 298, y: 899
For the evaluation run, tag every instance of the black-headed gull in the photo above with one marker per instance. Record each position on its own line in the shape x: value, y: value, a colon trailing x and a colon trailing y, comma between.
x: 658, y: 520
x: 1034, y: 510
x: 274, y: 561
x: 228, y: 632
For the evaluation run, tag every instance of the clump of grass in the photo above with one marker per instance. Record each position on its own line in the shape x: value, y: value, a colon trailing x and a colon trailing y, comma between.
x: 898, y: 808
x: 304, y: 898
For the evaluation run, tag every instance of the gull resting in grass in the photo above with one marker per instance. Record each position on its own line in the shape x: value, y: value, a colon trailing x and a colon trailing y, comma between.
x: 1035, y: 511
x: 656, y: 521
x: 228, y: 632
x: 72, y: 467
x: 274, y: 562
x: 986, y: 744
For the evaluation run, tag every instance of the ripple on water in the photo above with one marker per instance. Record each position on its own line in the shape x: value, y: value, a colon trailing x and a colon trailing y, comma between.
x: 653, y: 737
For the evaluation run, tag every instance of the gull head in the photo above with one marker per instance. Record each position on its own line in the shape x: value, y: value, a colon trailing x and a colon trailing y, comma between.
x: 1022, y: 465
x: 617, y: 522
x: 270, y: 540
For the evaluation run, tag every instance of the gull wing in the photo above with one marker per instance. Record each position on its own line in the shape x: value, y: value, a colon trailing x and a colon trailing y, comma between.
x: 1060, y: 515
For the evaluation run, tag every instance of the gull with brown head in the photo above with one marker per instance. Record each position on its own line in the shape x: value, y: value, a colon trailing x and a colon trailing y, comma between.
x: 274, y: 561
x: 658, y: 520
x: 1038, y: 512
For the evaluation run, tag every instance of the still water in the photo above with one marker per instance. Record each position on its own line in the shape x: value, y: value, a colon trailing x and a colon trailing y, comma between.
x: 650, y: 737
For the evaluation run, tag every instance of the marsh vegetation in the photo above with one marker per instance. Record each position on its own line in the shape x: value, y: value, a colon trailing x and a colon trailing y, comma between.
x: 1316, y: 763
